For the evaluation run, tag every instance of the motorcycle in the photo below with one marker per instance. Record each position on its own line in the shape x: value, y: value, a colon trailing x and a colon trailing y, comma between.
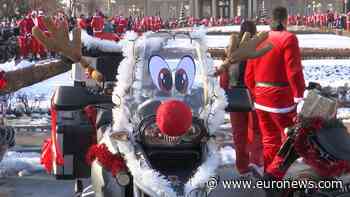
x: 112, y: 126
x: 322, y: 142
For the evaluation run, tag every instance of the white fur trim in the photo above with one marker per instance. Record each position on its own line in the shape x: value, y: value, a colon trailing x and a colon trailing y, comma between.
x: 274, y: 110
x: 206, y: 170
x: 121, y: 114
x: 297, y: 100
x: 217, y: 113
x: 97, y: 43
x: 149, y: 177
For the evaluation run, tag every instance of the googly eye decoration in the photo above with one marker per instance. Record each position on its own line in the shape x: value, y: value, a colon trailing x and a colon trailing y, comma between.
x: 185, y: 74
x: 160, y: 73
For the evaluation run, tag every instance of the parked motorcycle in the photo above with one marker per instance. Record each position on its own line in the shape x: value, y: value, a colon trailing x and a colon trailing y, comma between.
x: 322, y: 142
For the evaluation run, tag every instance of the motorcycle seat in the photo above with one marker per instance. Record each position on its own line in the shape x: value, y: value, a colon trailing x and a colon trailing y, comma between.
x: 336, y: 141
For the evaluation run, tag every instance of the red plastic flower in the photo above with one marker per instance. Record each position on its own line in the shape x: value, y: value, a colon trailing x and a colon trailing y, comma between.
x: 113, y: 163
x: 46, y: 155
x: 313, y: 157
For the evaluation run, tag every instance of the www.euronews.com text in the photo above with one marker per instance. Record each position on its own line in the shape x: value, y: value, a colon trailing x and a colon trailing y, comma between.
x: 283, y: 184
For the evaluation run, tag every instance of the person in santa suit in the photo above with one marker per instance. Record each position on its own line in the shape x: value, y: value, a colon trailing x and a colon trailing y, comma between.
x: 81, y: 21
x: 122, y: 25
x: 277, y: 83
x: 158, y: 23
x: 39, y: 22
x: 245, y: 125
x: 205, y: 22
x: 23, y: 40
x: 97, y: 22
x: 190, y: 21
x: 151, y: 23
x: 212, y: 22
x: 35, y: 45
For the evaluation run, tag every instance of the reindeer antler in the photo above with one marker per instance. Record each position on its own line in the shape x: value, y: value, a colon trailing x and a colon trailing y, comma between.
x: 59, y: 41
x: 247, y: 50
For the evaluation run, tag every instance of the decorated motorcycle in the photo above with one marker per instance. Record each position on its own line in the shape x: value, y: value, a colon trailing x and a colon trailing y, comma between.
x: 322, y: 142
x: 149, y: 131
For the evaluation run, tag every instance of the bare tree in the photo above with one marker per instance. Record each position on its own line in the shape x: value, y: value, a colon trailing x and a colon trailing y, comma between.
x: 22, y: 104
x: 91, y: 6
x: 72, y: 7
x: 50, y: 6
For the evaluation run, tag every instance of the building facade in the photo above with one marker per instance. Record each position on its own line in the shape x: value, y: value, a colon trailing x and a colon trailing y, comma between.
x: 169, y: 9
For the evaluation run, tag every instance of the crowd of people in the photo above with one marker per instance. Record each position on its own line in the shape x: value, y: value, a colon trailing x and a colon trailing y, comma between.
x: 113, y: 28
x: 329, y: 19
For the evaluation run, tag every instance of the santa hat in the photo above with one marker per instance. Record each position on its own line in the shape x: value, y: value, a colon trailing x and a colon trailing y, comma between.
x: 41, y: 13
x: 173, y: 118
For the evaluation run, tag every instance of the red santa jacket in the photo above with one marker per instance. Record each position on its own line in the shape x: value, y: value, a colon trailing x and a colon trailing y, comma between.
x: 40, y: 23
x: 82, y: 23
x: 282, y: 66
x: 123, y: 23
x: 22, y: 24
x: 97, y: 23
x: 30, y: 24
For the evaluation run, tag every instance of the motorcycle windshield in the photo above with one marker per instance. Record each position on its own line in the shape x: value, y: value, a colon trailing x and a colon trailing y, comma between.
x: 173, y: 70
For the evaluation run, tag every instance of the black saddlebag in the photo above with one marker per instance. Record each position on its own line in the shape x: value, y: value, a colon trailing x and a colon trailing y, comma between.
x: 74, y: 136
x: 73, y: 130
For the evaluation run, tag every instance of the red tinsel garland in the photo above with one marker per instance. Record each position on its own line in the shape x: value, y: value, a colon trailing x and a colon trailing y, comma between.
x: 46, y: 155
x: 311, y: 155
x: 113, y: 163
x: 3, y: 81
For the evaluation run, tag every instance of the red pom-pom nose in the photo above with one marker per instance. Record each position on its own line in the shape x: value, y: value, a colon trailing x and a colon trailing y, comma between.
x: 174, y: 118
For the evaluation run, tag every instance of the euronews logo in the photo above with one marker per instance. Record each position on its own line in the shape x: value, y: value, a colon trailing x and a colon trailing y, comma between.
x: 213, y: 183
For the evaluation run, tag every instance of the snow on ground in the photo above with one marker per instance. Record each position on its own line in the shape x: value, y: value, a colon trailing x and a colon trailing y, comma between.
x: 21, y: 164
x: 344, y: 113
x: 8, y: 66
x: 236, y: 28
x: 43, y: 88
x: 15, y: 163
x: 327, y: 41
x: 323, y: 41
x: 229, y: 28
x: 49, y: 85
x: 334, y: 73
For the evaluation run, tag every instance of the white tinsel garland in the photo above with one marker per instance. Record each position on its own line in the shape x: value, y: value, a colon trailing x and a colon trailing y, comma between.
x: 140, y: 171
x: 206, y: 170
x: 121, y: 114
x: 215, y: 113
x: 129, y: 70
